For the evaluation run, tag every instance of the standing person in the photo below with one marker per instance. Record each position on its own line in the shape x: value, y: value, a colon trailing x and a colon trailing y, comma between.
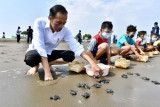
x: 18, y: 35
x: 48, y: 33
x: 3, y: 35
x: 156, y: 28
x: 30, y: 35
x: 114, y: 38
x: 152, y: 31
x: 79, y: 37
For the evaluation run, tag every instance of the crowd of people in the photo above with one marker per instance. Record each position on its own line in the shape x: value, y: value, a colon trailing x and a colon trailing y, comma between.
x: 49, y: 32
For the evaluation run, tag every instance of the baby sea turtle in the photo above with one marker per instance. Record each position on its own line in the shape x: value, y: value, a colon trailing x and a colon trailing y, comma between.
x: 86, y: 95
x: 137, y: 74
x: 84, y: 86
x: 72, y: 92
x: 104, y: 81
x: 145, y: 78
x: 156, y: 82
x: 80, y: 85
x: 109, y: 91
x: 55, y: 98
x: 124, y: 76
x: 129, y: 73
x: 97, y: 85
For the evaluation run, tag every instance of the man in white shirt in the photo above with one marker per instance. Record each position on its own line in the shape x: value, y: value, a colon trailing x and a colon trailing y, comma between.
x: 48, y: 33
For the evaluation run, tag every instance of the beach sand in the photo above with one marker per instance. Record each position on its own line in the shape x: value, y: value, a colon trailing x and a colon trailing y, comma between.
x: 19, y: 90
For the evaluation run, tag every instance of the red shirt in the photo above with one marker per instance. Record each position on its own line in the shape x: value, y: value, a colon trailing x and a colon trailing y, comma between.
x: 100, y: 40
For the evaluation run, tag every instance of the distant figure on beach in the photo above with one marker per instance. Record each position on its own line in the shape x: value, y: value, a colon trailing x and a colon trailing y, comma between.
x: 3, y: 35
x: 48, y: 33
x: 79, y: 37
x: 30, y: 35
x: 114, y: 38
x: 156, y: 28
x: 18, y: 35
x: 152, y: 31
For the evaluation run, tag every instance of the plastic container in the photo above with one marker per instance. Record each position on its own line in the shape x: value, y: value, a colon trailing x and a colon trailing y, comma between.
x: 105, y: 69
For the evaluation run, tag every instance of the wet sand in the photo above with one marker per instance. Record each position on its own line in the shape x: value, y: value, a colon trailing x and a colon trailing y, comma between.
x: 19, y: 90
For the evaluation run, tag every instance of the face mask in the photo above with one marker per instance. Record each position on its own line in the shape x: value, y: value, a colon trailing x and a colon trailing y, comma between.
x: 154, y: 39
x: 106, y: 35
x: 131, y: 35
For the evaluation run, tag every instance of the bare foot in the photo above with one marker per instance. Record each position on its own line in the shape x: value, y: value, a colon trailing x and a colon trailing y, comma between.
x: 33, y: 70
x: 48, y: 77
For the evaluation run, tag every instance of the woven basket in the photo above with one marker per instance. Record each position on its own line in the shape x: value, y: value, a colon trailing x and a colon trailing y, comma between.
x: 149, y: 54
x: 76, y: 66
x: 155, y: 52
x: 122, y: 63
x: 143, y: 59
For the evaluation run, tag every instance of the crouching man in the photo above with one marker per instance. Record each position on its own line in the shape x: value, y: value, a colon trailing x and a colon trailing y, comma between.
x: 48, y: 33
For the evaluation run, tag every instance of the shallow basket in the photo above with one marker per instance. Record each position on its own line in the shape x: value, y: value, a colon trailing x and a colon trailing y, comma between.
x: 155, y: 52
x: 122, y: 63
x: 76, y: 66
x: 149, y: 54
x: 143, y: 59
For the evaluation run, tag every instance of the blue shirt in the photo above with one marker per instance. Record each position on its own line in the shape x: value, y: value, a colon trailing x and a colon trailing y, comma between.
x: 156, y: 27
x: 124, y: 39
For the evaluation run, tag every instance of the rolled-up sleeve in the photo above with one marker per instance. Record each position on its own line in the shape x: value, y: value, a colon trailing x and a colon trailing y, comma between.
x: 75, y: 46
x: 38, y: 39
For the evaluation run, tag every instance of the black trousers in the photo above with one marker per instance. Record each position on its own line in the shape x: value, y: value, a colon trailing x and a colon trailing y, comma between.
x: 29, y: 39
x: 33, y: 58
x: 18, y: 38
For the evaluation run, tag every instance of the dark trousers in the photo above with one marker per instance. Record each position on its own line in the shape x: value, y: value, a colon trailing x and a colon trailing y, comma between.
x: 18, y: 38
x: 29, y: 39
x: 33, y: 58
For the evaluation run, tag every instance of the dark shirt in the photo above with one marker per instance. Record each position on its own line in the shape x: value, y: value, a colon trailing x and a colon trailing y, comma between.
x: 30, y: 32
x: 156, y: 28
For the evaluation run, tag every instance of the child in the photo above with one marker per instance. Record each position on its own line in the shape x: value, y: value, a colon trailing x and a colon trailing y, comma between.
x: 156, y: 45
x: 142, y: 42
x: 125, y: 42
x: 100, y: 45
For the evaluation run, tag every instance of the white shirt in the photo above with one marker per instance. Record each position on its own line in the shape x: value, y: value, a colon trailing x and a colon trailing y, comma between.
x: 45, y: 41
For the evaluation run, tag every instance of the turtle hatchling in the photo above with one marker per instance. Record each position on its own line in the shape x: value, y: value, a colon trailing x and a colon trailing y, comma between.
x: 137, y: 74
x: 109, y: 91
x: 97, y: 85
x: 156, y: 82
x: 104, y: 81
x: 55, y: 98
x: 124, y: 76
x: 72, y: 92
x: 86, y: 95
x: 129, y: 73
x: 145, y: 78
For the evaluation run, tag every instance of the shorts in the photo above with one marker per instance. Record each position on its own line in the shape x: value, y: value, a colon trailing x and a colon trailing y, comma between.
x: 94, y: 52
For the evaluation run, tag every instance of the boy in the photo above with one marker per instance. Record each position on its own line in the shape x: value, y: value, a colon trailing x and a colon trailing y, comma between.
x: 125, y: 42
x: 142, y: 42
x: 100, y: 45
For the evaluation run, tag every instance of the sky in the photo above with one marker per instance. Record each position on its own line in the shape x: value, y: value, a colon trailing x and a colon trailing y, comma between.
x: 84, y: 15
